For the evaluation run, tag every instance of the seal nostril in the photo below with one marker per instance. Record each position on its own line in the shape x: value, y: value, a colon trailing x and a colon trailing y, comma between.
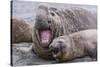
x: 56, y: 50
x: 49, y: 21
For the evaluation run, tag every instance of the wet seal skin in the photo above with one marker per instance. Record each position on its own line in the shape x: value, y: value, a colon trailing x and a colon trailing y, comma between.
x: 75, y: 45
x: 51, y: 22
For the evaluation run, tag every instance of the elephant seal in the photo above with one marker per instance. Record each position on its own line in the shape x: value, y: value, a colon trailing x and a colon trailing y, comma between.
x: 21, y: 31
x: 75, y: 45
x: 51, y: 22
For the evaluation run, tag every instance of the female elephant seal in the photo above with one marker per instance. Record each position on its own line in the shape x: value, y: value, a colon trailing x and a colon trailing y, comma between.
x: 51, y: 23
x: 75, y: 45
x: 21, y: 31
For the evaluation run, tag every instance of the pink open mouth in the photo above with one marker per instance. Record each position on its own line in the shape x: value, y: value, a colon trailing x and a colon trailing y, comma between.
x: 45, y: 37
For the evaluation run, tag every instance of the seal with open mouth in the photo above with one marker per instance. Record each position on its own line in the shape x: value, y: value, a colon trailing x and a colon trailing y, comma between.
x: 51, y: 23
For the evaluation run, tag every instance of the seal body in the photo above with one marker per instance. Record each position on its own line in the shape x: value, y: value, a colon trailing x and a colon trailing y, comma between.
x: 75, y: 45
x: 21, y: 31
x: 51, y: 22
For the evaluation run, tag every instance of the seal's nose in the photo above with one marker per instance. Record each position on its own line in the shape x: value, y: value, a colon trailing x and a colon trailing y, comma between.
x: 54, y: 49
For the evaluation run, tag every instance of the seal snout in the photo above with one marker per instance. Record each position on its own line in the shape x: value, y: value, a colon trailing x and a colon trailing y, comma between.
x: 57, y: 49
x: 54, y: 49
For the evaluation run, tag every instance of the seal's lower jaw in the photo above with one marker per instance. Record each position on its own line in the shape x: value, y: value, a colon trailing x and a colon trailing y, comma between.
x: 45, y: 37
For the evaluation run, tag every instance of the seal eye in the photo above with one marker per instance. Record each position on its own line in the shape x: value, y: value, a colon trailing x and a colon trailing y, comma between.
x: 52, y: 14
